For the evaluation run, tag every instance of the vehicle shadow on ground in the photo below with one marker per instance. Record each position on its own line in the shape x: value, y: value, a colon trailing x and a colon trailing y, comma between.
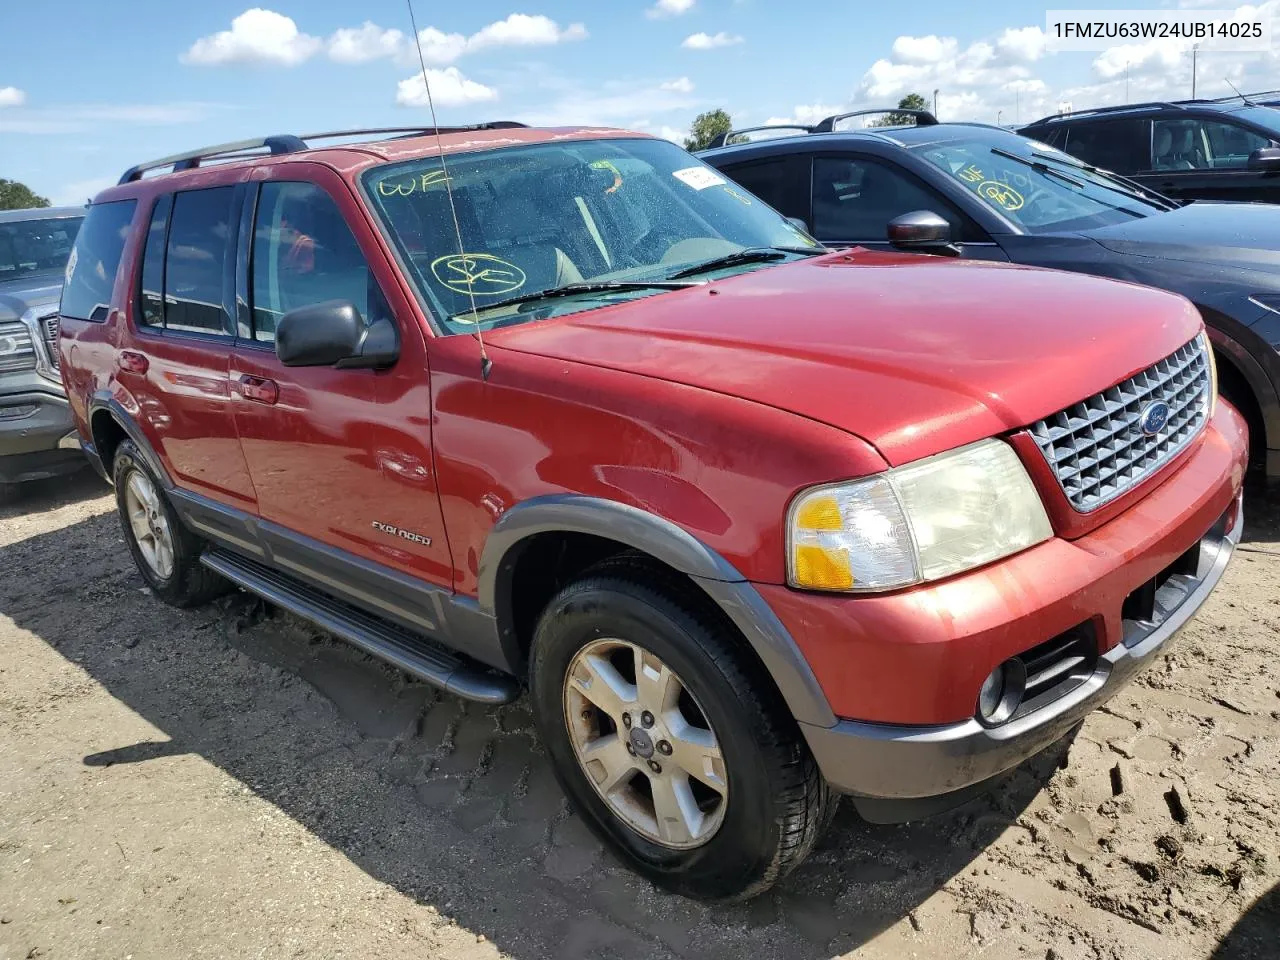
x: 38, y: 496
x: 449, y: 803
x: 1256, y: 935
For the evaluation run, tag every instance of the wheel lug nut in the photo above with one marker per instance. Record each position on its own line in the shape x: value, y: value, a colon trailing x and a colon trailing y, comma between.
x: 586, y: 714
x: 646, y: 718
x: 631, y: 750
x: 664, y: 747
x: 626, y: 720
x: 655, y: 766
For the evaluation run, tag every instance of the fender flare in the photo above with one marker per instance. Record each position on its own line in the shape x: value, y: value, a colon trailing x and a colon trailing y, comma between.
x: 671, y: 545
x: 103, y: 400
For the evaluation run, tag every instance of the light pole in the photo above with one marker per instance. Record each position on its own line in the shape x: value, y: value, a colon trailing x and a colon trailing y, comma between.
x: 999, y: 114
x: 1195, y: 48
x: 1126, y: 82
x: 935, y: 103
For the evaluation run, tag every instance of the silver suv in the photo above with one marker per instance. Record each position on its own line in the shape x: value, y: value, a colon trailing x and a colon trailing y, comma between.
x: 37, y: 436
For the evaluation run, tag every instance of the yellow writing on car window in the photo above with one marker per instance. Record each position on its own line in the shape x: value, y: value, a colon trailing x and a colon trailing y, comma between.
x: 1001, y: 194
x: 972, y: 174
x: 617, y: 174
x: 738, y: 196
x: 405, y: 188
x: 481, y: 274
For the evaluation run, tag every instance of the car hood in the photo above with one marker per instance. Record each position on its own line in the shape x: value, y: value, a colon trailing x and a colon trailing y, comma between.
x: 1240, y: 234
x: 913, y: 354
x: 19, y: 296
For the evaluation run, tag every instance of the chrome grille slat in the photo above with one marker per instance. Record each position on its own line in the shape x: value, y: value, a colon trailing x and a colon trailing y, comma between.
x: 1096, y: 449
x: 49, y: 327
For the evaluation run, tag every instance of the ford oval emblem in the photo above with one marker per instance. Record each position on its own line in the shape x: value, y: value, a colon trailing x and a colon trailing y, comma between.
x: 1153, y: 418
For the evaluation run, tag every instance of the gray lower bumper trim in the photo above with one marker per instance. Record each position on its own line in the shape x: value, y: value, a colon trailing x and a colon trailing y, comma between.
x: 891, y: 762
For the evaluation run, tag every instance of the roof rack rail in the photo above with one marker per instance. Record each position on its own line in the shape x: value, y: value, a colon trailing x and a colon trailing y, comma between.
x: 1246, y: 97
x: 721, y: 139
x: 924, y: 118
x: 288, y: 143
x: 1115, y: 108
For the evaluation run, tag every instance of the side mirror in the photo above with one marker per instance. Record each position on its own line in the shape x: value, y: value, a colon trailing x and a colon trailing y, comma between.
x: 1265, y: 158
x: 333, y: 334
x: 921, y: 230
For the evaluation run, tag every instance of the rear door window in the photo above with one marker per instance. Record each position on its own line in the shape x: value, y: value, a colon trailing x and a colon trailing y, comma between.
x: 198, y: 261
x: 781, y: 182
x: 91, y: 268
x: 1122, y: 145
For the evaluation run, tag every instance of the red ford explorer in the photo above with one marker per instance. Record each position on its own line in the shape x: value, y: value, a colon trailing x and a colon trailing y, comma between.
x: 756, y: 523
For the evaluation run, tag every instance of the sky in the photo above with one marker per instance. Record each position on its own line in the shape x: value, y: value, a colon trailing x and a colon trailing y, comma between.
x: 129, y: 80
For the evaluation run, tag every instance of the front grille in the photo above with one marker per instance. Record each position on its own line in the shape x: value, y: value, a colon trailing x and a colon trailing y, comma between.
x: 1096, y: 448
x: 17, y: 352
x: 49, y: 327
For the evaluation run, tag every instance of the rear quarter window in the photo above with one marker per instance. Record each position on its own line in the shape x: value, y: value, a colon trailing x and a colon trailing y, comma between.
x: 95, y: 258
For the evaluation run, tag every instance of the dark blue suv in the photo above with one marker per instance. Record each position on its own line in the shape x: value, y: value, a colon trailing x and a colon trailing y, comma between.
x: 986, y: 193
x: 1226, y: 149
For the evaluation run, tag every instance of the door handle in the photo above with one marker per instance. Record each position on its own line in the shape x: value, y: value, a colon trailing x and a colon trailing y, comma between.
x: 259, y: 389
x: 133, y: 362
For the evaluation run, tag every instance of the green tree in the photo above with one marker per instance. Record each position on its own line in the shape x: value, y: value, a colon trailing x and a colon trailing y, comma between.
x: 912, y: 101
x: 18, y: 196
x: 706, y: 127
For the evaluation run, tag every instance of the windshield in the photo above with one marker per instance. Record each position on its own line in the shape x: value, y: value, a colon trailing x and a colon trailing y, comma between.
x: 1038, y: 188
x: 545, y: 216
x: 33, y: 247
x: 1266, y: 117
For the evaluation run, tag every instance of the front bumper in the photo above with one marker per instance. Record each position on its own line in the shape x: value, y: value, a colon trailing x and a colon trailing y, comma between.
x: 38, y: 437
x: 899, y: 762
x: 909, y: 665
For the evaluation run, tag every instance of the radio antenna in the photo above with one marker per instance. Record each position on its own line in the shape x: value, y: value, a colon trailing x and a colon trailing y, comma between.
x: 1247, y: 101
x: 485, y: 363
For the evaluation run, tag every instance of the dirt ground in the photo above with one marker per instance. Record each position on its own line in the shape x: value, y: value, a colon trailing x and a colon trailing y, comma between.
x: 228, y: 783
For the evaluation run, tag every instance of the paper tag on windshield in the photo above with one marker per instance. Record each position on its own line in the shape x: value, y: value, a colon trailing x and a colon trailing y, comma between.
x: 698, y: 177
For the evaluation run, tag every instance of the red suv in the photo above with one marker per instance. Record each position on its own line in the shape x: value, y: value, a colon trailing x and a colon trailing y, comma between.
x: 756, y: 523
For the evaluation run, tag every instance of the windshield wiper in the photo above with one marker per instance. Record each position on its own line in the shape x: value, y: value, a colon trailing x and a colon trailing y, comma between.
x: 570, y: 289
x: 746, y: 255
x: 1159, y: 199
x: 1037, y: 166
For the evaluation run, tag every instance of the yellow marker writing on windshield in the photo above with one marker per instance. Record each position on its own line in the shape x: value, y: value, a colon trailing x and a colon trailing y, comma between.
x: 1001, y: 194
x: 971, y: 173
x: 481, y: 274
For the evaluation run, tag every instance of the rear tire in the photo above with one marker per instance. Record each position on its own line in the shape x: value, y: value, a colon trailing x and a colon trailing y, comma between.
x: 768, y: 803
x: 167, y: 553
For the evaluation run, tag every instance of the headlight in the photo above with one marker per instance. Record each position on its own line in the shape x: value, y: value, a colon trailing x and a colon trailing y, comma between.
x: 920, y: 522
x: 1213, y: 371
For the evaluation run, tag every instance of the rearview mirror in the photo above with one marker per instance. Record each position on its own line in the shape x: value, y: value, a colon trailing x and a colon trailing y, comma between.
x: 1265, y: 158
x: 923, y: 231
x: 333, y: 334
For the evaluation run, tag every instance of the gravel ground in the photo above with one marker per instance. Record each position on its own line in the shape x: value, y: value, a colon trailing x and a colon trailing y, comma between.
x: 228, y: 782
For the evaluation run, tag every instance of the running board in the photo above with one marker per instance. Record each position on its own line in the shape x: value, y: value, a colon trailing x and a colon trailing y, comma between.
x: 374, y: 636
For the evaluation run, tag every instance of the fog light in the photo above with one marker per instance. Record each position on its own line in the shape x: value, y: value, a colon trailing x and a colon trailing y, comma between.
x: 1001, y: 692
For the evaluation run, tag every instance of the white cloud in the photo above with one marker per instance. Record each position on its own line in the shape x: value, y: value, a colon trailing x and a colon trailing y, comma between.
x: 364, y: 43
x: 1023, y: 43
x: 805, y: 115
x: 448, y: 88
x: 78, y: 191
x: 930, y: 49
x: 671, y: 133
x: 682, y: 85
x: 669, y: 8
x: 707, y: 41
x: 256, y: 36
x: 522, y: 30
x: 12, y: 97
x: 624, y: 103
x: 517, y: 30
x: 76, y: 118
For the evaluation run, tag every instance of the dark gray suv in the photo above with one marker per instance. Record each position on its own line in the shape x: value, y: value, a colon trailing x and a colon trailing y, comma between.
x: 37, y: 435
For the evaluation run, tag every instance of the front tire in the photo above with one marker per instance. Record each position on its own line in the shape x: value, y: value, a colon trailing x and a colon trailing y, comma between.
x: 669, y: 739
x: 167, y: 554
